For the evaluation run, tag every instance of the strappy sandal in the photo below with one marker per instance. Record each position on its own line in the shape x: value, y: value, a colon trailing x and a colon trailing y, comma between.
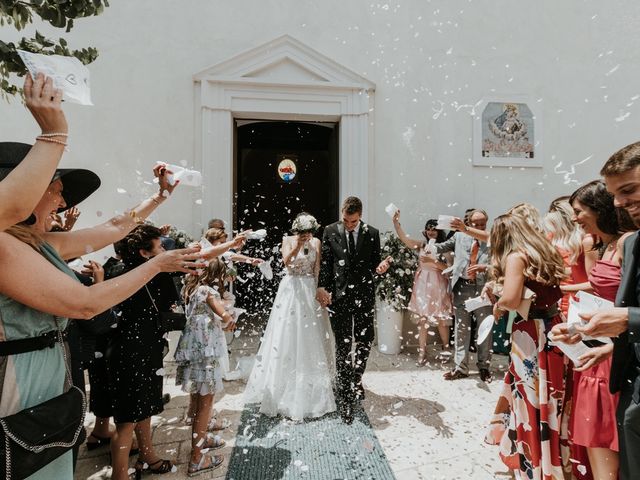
x: 216, y: 425
x: 164, y: 466
x: 213, y: 442
x: 197, y: 468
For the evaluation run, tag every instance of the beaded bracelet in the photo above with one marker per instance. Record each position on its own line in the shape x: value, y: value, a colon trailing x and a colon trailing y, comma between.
x: 51, y: 140
x: 61, y: 134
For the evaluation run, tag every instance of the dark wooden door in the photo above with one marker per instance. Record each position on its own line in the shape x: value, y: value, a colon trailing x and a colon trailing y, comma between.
x: 282, y: 169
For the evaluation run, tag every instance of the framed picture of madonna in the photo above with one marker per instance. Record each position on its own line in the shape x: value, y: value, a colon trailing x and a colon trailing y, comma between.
x: 506, y: 133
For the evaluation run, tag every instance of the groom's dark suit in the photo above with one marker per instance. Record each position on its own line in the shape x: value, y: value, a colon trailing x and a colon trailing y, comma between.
x: 625, y: 365
x: 349, y: 277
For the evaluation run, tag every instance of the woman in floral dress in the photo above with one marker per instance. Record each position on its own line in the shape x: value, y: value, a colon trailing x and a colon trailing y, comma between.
x: 527, y: 419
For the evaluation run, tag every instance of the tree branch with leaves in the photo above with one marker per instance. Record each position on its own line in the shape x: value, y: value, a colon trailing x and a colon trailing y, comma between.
x: 58, y: 13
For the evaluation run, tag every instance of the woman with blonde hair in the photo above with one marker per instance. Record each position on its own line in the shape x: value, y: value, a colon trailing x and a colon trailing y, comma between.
x: 527, y: 418
x: 570, y: 241
x: 529, y: 214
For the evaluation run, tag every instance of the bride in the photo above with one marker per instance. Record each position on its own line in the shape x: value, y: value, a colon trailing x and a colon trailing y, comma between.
x: 293, y: 374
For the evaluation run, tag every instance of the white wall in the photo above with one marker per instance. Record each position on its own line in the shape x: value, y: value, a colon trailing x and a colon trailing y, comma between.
x: 579, y: 60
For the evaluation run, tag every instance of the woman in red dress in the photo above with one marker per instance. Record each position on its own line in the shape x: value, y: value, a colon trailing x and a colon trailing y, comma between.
x: 527, y: 419
x: 592, y: 424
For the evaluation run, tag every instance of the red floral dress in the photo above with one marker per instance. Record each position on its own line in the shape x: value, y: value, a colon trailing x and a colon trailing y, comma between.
x: 527, y: 419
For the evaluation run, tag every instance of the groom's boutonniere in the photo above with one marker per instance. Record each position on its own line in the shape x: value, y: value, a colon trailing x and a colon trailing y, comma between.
x: 365, y: 227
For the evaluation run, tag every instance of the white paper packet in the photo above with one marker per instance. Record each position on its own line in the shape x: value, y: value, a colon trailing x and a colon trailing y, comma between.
x: 265, y: 269
x: 67, y: 73
x: 444, y: 222
x: 189, y: 178
x: 257, y: 234
x: 572, y: 351
x: 475, y: 303
x: 588, y: 303
x: 391, y: 210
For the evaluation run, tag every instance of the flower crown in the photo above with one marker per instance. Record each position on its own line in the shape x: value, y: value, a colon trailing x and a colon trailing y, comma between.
x: 305, y: 223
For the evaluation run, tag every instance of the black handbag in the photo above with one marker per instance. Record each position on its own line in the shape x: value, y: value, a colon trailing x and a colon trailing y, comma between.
x: 169, y: 321
x: 36, y: 436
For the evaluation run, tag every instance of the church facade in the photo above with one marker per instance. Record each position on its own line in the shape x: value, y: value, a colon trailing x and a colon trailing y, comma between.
x: 435, y: 106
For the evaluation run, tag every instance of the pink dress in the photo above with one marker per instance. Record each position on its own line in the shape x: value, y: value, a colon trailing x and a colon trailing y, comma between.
x: 593, y: 419
x: 431, y: 298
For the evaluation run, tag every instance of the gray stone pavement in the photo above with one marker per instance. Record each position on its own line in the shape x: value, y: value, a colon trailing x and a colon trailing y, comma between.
x: 429, y: 428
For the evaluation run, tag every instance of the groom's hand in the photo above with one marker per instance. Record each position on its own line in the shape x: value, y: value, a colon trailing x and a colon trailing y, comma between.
x: 384, y: 266
x: 323, y: 297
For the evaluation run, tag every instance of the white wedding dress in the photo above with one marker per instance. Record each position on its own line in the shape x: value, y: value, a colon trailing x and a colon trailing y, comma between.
x: 293, y: 373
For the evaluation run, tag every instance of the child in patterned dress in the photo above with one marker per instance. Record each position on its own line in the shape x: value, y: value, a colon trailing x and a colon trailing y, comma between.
x: 198, y: 356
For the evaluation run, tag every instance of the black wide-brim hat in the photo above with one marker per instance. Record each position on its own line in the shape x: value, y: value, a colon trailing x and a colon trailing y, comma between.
x: 78, y: 183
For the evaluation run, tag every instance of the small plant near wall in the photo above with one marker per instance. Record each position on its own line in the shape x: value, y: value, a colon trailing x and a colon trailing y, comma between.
x: 58, y: 13
x: 396, y: 284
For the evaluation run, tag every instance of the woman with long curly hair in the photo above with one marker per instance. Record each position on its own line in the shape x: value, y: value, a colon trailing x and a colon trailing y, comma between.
x: 527, y: 418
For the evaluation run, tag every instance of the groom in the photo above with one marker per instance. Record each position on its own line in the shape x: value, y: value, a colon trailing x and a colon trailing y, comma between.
x: 350, y: 260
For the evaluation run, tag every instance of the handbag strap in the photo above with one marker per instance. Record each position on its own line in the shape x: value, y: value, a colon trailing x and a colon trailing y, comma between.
x: 151, y: 298
x: 67, y: 369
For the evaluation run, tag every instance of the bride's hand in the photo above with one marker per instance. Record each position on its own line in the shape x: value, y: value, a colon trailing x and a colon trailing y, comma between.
x: 323, y: 297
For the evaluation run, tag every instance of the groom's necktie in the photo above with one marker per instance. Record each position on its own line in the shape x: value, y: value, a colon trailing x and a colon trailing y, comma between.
x: 352, y: 245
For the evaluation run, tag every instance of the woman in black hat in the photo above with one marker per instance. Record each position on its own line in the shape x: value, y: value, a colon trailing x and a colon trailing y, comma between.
x: 38, y: 292
x: 23, y: 187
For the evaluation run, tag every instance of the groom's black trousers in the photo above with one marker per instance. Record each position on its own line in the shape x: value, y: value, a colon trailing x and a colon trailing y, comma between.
x: 351, y: 322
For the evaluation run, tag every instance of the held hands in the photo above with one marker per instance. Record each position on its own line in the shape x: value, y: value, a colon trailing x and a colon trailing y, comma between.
x: 45, y: 104
x: 70, y: 218
x: 184, y: 260
x: 323, y: 297
x: 594, y: 356
x: 384, y: 265
x: 94, y: 270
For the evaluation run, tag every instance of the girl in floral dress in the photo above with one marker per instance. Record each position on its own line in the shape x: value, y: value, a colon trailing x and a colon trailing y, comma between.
x: 198, y: 356
x: 527, y: 419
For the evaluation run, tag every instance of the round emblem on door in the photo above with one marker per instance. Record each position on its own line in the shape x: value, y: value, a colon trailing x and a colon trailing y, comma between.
x: 287, y: 169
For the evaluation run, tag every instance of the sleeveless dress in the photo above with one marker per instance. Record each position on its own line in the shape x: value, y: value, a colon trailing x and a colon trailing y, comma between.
x: 430, y: 297
x: 293, y: 374
x: 527, y: 419
x: 593, y: 419
x: 201, y: 346
x: 31, y: 378
x: 578, y: 275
